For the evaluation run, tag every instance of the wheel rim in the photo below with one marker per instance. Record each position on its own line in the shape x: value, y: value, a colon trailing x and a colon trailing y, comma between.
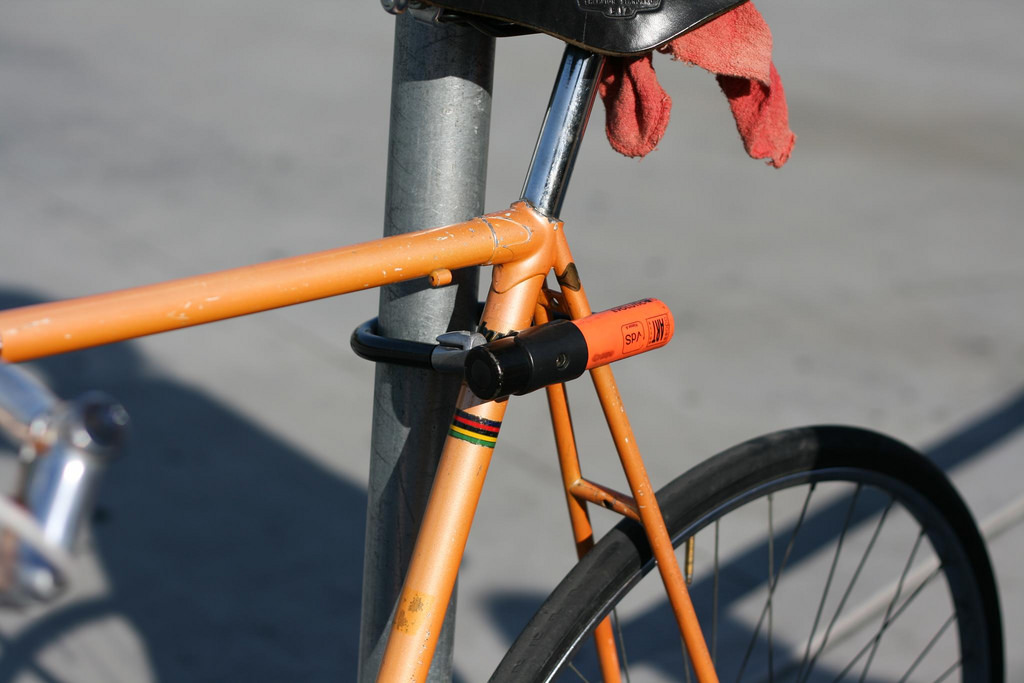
x: 858, y: 626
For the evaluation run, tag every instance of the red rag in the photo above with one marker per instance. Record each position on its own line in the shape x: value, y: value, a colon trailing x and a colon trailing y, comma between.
x: 762, y: 117
x: 737, y: 47
x: 636, y: 106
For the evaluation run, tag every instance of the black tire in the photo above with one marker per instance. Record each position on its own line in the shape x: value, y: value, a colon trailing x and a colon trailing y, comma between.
x: 821, y: 460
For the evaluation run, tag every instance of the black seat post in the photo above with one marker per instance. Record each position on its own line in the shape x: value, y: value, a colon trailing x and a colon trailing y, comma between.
x: 562, y: 130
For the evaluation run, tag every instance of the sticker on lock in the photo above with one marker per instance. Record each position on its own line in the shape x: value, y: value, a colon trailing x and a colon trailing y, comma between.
x: 632, y: 337
x: 658, y: 330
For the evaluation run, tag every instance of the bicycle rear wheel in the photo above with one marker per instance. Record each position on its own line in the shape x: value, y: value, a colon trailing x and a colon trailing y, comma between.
x: 821, y: 554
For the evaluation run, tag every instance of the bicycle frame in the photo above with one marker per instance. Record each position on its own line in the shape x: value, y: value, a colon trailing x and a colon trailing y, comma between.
x: 523, y: 244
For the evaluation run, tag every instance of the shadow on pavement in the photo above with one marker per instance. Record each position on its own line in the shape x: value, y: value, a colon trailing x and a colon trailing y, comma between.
x: 231, y: 553
x: 237, y: 558
x: 655, y: 629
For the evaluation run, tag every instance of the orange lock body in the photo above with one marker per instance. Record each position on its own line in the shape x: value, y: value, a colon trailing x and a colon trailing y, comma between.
x: 562, y: 350
x: 625, y: 331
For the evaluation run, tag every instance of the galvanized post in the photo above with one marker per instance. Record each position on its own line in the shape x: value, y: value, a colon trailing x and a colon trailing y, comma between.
x: 437, y: 163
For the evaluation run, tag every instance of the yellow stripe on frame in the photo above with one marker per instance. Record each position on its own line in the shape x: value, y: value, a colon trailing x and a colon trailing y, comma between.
x: 475, y: 435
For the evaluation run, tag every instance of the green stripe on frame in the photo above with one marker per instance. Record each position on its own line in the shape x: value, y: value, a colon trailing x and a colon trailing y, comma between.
x: 470, y: 439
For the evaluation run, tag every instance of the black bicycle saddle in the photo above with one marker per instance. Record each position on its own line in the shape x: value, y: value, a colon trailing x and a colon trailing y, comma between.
x: 612, y: 27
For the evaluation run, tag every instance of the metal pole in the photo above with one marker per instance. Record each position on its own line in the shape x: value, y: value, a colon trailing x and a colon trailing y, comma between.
x: 437, y: 163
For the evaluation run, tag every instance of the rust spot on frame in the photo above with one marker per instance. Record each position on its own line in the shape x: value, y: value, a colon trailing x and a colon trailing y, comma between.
x: 412, y: 612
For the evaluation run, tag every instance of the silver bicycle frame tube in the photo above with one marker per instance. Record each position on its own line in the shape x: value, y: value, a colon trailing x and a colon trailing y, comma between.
x: 562, y: 130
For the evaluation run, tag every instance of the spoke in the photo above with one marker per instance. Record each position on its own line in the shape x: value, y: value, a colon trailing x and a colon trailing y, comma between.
x: 868, y: 609
x: 928, y: 647
x: 577, y: 672
x: 888, y: 610
x: 714, y: 605
x: 948, y: 671
x: 846, y: 595
x: 801, y: 674
x: 774, y: 583
x: 885, y: 625
x: 622, y: 642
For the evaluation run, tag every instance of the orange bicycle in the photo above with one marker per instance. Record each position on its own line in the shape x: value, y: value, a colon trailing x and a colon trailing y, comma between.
x: 810, y: 509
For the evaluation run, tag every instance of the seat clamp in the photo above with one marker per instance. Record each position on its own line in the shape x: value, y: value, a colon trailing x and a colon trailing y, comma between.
x: 419, y: 10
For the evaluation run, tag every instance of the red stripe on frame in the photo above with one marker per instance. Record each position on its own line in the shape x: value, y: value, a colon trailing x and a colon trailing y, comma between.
x: 477, y: 425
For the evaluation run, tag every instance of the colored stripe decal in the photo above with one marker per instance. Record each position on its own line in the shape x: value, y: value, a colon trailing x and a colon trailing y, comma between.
x: 475, y: 435
x: 474, y: 425
x: 465, y: 436
x: 471, y: 440
x: 475, y: 430
x: 478, y: 420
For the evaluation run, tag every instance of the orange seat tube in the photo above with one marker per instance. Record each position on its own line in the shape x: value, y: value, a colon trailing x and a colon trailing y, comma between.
x: 472, y: 435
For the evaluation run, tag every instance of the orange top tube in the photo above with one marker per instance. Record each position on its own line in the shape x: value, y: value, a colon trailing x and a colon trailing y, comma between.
x: 51, y: 328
